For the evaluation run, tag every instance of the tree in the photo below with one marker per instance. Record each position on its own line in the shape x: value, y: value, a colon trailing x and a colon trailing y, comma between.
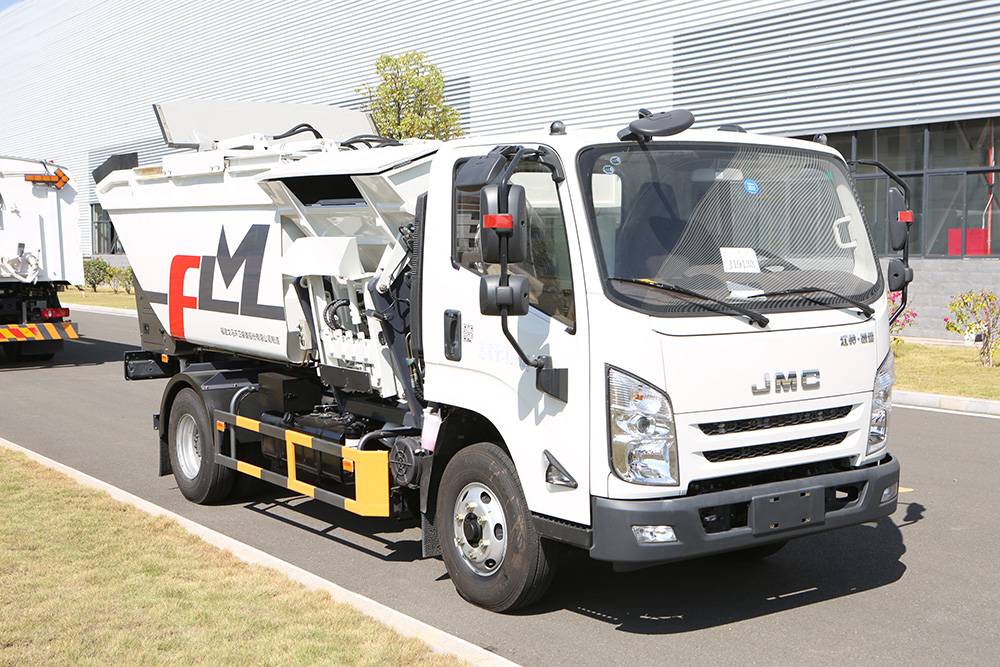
x: 95, y: 272
x: 409, y: 100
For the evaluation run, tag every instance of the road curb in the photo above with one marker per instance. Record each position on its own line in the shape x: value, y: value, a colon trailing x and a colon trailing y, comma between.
x: 941, y: 402
x: 84, y: 308
x: 439, y: 640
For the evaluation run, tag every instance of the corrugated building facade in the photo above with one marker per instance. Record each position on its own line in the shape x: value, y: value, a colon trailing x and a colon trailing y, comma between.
x: 910, y: 82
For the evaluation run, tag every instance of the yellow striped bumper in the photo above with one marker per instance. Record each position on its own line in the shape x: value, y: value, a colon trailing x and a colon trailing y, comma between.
x: 10, y: 333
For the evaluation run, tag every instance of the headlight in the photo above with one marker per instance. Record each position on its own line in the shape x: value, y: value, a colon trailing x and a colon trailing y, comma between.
x: 643, y: 437
x: 881, y: 404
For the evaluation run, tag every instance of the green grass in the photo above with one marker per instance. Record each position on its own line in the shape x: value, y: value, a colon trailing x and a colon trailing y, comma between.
x: 104, y: 296
x: 86, y: 580
x: 954, y: 371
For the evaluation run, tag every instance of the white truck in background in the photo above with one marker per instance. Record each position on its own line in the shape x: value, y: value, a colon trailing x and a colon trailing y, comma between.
x: 650, y: 345
x: 39, y: 256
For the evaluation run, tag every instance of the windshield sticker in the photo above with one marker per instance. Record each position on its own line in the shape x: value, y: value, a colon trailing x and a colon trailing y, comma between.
x: 738, y: 291
x: 608, y: 169
x: 739, y: 260
x: 751, y: 186
x: 615, y: 160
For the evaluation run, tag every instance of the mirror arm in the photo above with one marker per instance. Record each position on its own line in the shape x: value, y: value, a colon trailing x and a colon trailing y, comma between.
x: 528, y: 361
x: 551, y: 160
x: 519, y: 152
x: 888, y: 172
x: 902, y: 305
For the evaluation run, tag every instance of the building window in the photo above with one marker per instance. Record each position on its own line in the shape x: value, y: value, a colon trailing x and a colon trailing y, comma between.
x: 952, y: 171
x: 104, y: 239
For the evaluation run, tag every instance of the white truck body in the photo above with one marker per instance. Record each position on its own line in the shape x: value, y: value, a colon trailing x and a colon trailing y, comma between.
x: 39, y: 251
x: 300, y: 254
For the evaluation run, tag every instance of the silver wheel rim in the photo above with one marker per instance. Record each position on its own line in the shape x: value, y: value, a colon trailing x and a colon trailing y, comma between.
x: 188, y: 442
x: 480, y: 529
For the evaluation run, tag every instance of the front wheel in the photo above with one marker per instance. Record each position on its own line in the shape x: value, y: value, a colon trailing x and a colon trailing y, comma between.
x: 192, y: 455
x: 489, y: 544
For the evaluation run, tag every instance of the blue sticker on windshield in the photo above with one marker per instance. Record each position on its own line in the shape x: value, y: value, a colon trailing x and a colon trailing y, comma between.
x: 751, y: 186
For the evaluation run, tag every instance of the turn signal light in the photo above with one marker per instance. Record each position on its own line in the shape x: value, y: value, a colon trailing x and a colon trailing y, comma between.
x: 54, y: 313
x: 58, y: 179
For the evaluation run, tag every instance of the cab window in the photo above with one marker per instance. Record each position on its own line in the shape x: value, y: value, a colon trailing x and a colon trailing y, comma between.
x: 547, y: 265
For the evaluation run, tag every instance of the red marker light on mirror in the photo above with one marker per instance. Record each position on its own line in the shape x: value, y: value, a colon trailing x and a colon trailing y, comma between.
x: 498, y: 221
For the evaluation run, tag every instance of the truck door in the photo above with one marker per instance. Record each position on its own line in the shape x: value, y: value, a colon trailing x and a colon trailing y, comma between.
x: 472, y: 365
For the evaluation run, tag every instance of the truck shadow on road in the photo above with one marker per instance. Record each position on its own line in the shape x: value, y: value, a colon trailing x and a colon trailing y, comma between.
x: 82, y: 352
x: 716, y: 591
x: 386, y: 539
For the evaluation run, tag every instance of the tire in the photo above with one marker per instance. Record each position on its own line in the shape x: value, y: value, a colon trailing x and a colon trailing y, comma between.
x: 189, y: 443
x: 488, y: 542
x: 757, y: 553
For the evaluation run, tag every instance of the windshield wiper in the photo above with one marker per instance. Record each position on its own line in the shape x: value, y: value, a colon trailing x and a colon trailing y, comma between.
x: 746, y: 312
x: 866, y: 309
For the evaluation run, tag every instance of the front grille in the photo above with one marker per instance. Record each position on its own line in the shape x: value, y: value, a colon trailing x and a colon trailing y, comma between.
x: 753, y: 451
x: 776, y: 421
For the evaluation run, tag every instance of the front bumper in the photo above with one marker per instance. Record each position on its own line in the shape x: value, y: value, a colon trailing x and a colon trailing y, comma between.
x: 745, y: 517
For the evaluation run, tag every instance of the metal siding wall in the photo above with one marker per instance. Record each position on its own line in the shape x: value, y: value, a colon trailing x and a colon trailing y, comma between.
x: 87, y: 72
x: 823, y: 66
x: 84, y: 73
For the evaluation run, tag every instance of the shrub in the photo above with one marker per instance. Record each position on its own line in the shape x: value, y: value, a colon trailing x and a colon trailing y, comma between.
x: 95, y: 272
x: 905, y: 319
x: 977, y: 315
x: 120, y: 278
x: 127, y: 279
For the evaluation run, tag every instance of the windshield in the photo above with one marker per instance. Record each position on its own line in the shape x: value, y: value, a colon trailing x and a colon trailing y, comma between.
x: 733, y: 223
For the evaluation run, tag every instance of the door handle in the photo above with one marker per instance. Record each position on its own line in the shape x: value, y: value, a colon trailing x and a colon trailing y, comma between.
x: 453, y: 335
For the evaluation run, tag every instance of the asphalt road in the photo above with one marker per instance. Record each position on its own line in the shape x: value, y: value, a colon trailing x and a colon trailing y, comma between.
x: 921, y: 587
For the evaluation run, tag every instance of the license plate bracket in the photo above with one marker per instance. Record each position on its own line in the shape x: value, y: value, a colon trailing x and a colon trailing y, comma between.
x: 778, y: 512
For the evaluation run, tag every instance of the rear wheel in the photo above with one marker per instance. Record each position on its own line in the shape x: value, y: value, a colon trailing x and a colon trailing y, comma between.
x: 489, y: 544
x: 189, y: 441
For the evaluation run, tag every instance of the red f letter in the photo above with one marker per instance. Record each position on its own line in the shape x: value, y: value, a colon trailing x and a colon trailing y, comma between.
x: 176, y: 301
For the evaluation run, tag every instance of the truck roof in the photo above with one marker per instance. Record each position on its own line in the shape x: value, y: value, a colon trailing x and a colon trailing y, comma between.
x: 574, y: 140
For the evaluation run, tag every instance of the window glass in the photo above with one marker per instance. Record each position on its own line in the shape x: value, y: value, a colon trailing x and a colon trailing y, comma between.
x: 866, y: 145
x: 900, y: 148
x: 960, y: 144
x: 916, y: 184
x: 104, y: 239
x: 945, y: 214
x: 872, y: 192
x: 843, y: 142
x: 730, y: 223
x: 983, y: 215
x: 547, y: 265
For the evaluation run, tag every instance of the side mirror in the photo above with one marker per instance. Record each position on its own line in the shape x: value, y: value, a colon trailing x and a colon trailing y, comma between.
x: 478, y: 172
x: 899, y: 219
x: 899, y: 275
x: 492, y: 296
x: 503, y: 218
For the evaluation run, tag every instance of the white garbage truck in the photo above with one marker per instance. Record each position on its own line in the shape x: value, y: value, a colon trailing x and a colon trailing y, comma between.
x: 650, y: 344
x: 39, y: 256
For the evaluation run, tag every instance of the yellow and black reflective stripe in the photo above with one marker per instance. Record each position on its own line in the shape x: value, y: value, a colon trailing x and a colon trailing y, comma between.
x: 371, y: 468
x: 41, y: 331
